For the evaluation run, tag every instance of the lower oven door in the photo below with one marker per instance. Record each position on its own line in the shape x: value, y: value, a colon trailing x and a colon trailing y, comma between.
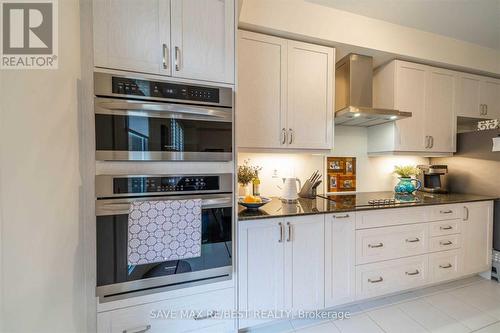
x: 116, y: 279
x: 140, y: 130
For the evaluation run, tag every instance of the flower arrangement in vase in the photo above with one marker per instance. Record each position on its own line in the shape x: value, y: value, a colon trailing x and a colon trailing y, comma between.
x: 246, y: 173
x: 405, y: 185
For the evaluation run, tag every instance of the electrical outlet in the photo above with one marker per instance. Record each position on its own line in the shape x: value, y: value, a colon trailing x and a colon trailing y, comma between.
x: 275, y: 173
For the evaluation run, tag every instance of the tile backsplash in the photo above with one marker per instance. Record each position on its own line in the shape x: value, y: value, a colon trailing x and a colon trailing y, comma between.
x: 373, y: 173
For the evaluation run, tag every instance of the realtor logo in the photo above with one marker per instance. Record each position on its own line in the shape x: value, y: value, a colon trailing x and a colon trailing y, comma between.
x: 29, y: 34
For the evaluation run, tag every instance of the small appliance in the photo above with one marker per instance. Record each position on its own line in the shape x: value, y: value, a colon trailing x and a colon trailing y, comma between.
x: 290, y: 189
x: 433, y: 178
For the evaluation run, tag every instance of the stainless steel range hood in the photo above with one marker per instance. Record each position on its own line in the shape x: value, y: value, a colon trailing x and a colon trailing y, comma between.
x: 354, y: 93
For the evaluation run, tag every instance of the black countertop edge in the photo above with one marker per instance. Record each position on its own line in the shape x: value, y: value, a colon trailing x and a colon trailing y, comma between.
x: 319, y: 205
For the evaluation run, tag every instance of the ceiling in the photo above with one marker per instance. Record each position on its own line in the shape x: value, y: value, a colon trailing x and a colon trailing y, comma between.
x: 474, y: 21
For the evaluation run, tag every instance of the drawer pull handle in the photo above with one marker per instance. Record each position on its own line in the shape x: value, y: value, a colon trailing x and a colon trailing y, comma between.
x: 446, y: 266
x: 449, y: 227
x: 208, y: 316
x: 413, y: 240
x: 373, y: 246
x: 449, y: 211
x: 341, y: 216
x: 380, y: 279
x: 141, y: 329
x: 413, y: 273
x: 446, y: 243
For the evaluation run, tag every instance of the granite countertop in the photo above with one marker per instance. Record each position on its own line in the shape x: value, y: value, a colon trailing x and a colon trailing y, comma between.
x: 349, y: 203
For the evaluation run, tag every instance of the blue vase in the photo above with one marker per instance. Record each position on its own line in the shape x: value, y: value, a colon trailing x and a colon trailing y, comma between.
x: 406, y: 186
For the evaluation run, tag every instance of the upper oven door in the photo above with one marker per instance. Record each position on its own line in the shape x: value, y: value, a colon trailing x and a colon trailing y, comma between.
x: 146, y: 130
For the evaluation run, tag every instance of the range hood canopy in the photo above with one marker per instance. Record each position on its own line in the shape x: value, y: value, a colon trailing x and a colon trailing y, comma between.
x: 354, y: 94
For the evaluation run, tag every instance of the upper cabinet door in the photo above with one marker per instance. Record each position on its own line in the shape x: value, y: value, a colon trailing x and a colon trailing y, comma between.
x: 410, y: 97
x: 440, y: 123
x: 310, y: 96
x: 261, y: 95
x: 490, y: 97
x: 203, y: 39
x: 127, y: 35
x: 468, y: 98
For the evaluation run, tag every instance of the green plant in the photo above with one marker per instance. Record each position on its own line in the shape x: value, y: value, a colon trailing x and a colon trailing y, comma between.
x: 247, y: 172
x: 406, y: 171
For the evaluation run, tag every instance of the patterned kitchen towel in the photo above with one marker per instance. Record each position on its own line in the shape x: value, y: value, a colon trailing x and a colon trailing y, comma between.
x: 164, y: 230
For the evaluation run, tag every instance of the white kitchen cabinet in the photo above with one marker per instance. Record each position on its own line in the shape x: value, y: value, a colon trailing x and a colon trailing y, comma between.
x: 477, y: 239
x: 490, y: 97
x: 127, y: 34
x: 304, y: 263
x: 166, y: 37
x: 285, y: 89
x: 261, y: 254
x: 340, y: 258
x: 203, y: 39
x: 478, y: 97
x: 429, y: 94
x: 261, y: 98
x: 309, y: 114
x: 204, y: 315
x: 440, y: 119
x: 281, y: 264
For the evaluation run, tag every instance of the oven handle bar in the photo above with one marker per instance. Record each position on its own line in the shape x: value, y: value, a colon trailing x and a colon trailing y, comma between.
x: 122, y: 206
x: 113, y: 106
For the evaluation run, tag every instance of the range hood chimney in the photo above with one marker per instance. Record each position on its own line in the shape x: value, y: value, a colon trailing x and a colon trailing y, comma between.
x: 354, y: 94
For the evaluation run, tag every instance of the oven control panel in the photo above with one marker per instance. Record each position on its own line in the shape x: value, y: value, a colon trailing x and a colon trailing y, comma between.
x: 131, y: 185
x: 168, y: 90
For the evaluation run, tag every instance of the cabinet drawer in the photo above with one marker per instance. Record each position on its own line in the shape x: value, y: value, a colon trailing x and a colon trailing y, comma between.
x: 391, y: 242
x: 393, y: 275
x: 388, y: 217
x: 447, y: 242
x: 153, y: 315
x: 445, y: 212
x: 445, y: 265
x: 442, y: 228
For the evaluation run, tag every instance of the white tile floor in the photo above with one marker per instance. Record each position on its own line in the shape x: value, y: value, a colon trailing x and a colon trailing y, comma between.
x: 468, y: 305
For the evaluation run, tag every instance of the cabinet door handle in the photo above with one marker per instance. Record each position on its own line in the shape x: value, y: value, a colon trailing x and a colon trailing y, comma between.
x: 485, y: 109
x: 416, y: 272
x: 282, y: 229
x: 413, y: 240
x: 291, y: 136
x: 481, y: 109
x: 448, y: 227
x: 283, y: 136
x: 466, y: 215
x: 427, y: 142
x: 289, y: 236
x: 141, y: 329
x: 380, y: 279
x: 346, y: 216
x: 165, y: 56
x: 446, y: 243
x: 449, y: 211
x: 432, y: 142
x: 177, y: 58
x: 373, y: 246
x: 446, y: 266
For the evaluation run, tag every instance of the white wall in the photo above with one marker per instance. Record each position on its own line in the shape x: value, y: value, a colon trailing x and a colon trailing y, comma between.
x: 373, y: 173
x: 41, y: 247
x: 307, y: 20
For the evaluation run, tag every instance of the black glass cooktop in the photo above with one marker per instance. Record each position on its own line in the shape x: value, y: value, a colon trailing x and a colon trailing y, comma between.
x: 369, y: 199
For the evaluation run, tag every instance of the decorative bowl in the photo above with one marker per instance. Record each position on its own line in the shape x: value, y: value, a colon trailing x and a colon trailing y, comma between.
x: 253, y: 205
